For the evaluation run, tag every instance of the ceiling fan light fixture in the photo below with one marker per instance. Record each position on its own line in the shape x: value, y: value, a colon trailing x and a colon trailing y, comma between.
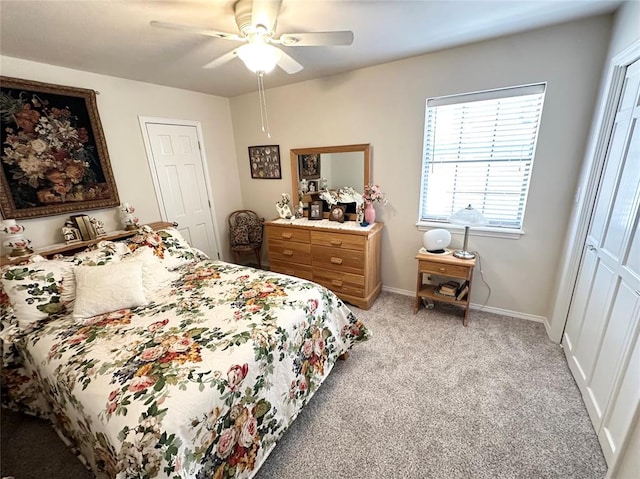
x: 259, y: 56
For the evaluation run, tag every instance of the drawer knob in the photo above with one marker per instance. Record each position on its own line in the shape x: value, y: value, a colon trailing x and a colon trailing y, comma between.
x: 442, y: 270
x: 287, y: 235
x: 336, y: 242
x: 287, y: 252
x: 335, y: 260
x: 336, y: 282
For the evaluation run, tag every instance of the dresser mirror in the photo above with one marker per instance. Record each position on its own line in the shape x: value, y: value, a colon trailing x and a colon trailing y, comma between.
x: 329, y: 167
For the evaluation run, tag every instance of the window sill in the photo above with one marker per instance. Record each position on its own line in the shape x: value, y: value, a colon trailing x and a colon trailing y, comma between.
x: 508, y: 233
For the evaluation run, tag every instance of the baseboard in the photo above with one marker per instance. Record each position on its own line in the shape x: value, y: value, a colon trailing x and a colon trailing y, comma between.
x: 489, y: 309
x: 506, y: 312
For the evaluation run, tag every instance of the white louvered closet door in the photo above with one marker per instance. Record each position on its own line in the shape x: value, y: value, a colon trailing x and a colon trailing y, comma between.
x: 601, y: 336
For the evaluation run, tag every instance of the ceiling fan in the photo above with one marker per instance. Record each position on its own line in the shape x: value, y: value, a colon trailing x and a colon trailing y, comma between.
x: 256, y: 20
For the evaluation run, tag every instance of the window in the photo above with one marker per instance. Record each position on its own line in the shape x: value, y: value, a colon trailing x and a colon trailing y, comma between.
x: 478, y: 150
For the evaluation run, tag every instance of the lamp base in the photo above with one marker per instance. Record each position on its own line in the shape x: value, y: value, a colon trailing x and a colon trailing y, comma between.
x: 20, y: 252
x: 463, y: 254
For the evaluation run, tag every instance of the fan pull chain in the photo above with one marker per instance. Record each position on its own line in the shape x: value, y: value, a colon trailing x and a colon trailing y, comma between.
x: 263, y: 104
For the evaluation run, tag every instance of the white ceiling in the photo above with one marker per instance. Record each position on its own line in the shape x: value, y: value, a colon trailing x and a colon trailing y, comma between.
x: 113, y: 37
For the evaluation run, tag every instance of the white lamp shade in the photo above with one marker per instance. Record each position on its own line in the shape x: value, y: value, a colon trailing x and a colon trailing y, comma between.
x: 434, y: 240
x: 468, y: 217
x: 258, y: 56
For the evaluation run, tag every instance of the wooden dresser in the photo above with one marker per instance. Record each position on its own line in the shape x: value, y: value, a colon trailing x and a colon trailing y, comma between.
x: 344, y: 258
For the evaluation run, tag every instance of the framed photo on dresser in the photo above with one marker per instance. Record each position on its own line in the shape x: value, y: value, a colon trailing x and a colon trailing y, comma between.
x: 315, y: 210
x: 337, y: 213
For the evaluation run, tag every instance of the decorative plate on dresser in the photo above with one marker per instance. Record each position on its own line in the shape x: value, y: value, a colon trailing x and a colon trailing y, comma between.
x: 344, y: 257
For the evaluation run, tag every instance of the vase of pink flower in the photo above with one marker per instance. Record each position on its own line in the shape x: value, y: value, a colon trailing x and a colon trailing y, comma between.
x: 372, y: 194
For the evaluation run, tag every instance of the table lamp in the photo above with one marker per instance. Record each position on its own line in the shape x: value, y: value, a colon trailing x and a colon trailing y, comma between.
x: 466, y: 217
x: 15, y: 239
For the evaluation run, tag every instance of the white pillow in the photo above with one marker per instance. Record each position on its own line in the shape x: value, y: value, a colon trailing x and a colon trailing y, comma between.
x: 102, y: 289
x: 155, y: 275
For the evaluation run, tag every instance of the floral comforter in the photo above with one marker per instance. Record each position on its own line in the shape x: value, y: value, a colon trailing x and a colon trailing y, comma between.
x: 201, y: 383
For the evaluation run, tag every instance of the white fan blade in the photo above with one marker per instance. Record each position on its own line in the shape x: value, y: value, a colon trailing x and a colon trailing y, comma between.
x: 288, y: 64
x: 315, y: 39
x: 265, y: 12
x: 222, y: 59
x: 201, y: 31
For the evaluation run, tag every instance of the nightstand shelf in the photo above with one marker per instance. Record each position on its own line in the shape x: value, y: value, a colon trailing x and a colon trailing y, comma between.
x: 429, y: 291
x: 447, y: 266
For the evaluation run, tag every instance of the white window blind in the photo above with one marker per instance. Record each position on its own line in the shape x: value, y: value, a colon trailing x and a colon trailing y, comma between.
x: 478, y: 150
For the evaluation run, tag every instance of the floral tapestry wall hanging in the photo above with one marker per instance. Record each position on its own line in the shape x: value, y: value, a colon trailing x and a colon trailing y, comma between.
x: 54, y: 157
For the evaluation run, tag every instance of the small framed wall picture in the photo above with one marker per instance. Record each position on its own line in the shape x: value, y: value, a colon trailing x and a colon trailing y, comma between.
x: 336, y: 213
x: 264, y: 162
x: 315, y: 210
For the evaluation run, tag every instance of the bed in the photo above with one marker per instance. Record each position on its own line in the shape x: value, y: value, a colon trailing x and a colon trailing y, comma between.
x: 152, y: 361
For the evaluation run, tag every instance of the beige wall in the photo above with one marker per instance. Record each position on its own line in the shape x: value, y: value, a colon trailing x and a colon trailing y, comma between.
x: 120, y: 102
x: 384, y: 106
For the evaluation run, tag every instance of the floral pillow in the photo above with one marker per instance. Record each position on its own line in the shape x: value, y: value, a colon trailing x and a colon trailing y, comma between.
x: 169, y: 245
x: 7, y: 313
x: 255, y: 230
x: 100, y: 254
x: 239, y: 235
x: 155, y: 276
x: 34, y: 291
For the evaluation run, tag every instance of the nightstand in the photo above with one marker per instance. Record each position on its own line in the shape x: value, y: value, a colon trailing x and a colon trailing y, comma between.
x: 448, y: 266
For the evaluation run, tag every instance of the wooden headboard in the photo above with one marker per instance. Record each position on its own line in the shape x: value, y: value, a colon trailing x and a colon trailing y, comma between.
x: 71, y: 248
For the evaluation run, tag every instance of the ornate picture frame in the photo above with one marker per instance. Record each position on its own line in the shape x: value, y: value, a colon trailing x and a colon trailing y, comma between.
x: 309, y: 166
x: 264, y: 162
x: 53, y: 154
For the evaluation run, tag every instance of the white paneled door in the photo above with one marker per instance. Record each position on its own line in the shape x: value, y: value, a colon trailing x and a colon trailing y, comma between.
x: 601, y: 335
x: 179, y: 173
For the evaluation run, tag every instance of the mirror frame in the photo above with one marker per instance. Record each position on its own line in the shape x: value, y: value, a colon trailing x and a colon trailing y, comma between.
x: 365, y: 148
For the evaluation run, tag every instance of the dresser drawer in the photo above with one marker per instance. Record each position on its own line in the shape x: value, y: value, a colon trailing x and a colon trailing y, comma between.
x: 339, y: 282
x: 338, y: 240
x: 444, y: 269
x: 290, y: 251
x: 337, y: 259
x: 299, y: 270
x: 283, y: 233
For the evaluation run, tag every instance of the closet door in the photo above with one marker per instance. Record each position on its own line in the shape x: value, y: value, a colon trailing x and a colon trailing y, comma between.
x: 601, y: 335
